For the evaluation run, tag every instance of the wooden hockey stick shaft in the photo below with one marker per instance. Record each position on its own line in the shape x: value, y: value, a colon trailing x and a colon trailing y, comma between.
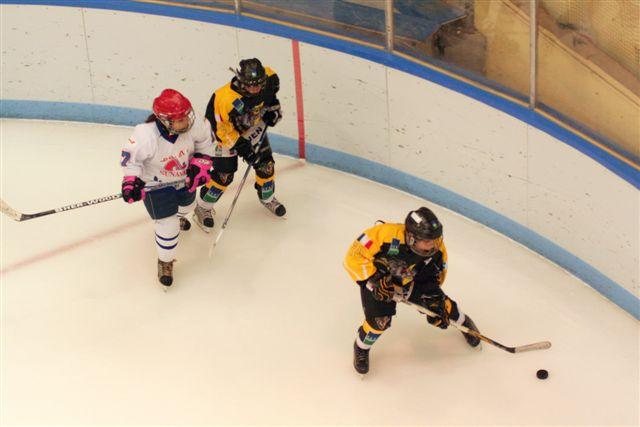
x: 18, y: 216
x: 542, y: 345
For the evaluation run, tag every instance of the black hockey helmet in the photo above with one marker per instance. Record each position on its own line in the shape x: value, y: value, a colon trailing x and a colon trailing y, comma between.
x: 423, y: 224
x: 251, y: 77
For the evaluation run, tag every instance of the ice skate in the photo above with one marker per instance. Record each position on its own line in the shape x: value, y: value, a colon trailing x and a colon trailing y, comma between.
x: 360, y: 359
x: 165, y: 273
x: 185, y: 225
x: 204, y: 218
x: 275, y: 207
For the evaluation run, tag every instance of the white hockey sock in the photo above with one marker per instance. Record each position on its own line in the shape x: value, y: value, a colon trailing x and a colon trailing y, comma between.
x: 204, y: 204
x: 186, y: 210
x: 167, y: 232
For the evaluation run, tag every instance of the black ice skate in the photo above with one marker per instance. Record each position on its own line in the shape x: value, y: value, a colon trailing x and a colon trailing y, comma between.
x: 471, y: 340
x: 185, y: 225
x: 275, y: 207
x: 204, y: 218
x: 360, y: 359
x: 165, y: 273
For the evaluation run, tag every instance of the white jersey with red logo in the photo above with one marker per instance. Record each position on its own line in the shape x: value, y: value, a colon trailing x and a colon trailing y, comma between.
x: 154, y: 159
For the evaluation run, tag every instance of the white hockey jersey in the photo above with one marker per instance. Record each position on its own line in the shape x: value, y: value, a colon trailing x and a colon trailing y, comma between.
x: 154, y: 159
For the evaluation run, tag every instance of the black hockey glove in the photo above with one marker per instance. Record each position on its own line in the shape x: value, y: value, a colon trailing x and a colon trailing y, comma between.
x: 245, y: 150
x: 132, y: 189
x: 437, y: 304
x: 381, y: 284
x: 272, y: 117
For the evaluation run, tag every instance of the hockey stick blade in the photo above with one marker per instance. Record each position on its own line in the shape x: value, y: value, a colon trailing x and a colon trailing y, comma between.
x: 542, y: 345
x: 9, y: 211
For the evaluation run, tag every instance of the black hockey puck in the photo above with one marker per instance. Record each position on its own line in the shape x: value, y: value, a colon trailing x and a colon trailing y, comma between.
x: 542, y: 374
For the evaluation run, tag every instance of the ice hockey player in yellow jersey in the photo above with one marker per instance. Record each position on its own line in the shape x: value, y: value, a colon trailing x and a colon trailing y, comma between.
x: 392, y: 262
x: 239, y: 113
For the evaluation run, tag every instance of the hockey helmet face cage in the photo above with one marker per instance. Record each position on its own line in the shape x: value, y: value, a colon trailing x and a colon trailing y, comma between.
x: 174, y: 111
x: 423, y: 232
x: 251, y: 76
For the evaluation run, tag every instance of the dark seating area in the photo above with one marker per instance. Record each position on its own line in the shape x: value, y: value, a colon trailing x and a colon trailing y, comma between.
x: 415, y: 20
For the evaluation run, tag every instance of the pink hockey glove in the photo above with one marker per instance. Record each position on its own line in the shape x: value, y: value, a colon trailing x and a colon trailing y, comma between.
x: 198, y: 171
x: 132, y: 189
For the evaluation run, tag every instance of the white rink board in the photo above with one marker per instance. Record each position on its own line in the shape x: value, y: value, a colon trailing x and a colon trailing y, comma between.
x: 352, y: 105
x: 345, y: 103
x: 600, y: 217
x: 44, y: 54
x: 132, y: 65
x: 274, y: 52
x: 458, y: 143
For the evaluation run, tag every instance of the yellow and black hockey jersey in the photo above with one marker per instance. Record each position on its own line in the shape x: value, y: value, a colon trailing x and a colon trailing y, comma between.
x: 388, y: 241
x: 231, y: 114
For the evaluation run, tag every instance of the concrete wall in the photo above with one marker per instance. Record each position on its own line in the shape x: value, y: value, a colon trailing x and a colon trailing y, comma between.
x: 363, y: 116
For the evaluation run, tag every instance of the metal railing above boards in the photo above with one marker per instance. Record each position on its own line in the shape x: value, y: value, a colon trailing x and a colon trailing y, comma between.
x: 575, y: 62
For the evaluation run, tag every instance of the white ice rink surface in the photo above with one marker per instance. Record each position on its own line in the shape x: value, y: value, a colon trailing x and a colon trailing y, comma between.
x: 263, y: 332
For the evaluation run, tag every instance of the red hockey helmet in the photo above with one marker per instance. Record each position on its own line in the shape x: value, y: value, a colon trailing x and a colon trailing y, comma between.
x: 174, y: 111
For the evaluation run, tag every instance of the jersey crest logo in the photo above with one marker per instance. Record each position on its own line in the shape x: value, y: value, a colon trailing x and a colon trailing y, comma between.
x: 238, y: 105
x: 174, y: 164
x: 394, y: 247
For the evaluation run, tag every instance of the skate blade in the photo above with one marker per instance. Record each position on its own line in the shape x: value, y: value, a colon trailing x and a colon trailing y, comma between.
x: 203, y: 228
x: 200, y: 226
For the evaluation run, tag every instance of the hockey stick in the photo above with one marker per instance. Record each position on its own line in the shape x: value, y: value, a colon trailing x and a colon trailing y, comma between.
x: 235, y: 199
x: 233, y: 204
x: 18, y: 216
x: 542, y: 345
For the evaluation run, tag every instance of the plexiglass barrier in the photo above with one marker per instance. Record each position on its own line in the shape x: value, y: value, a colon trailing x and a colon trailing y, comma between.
x: 586, y: 67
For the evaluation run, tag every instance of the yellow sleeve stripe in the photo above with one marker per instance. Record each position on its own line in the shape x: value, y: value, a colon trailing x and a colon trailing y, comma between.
x: 355, y: 275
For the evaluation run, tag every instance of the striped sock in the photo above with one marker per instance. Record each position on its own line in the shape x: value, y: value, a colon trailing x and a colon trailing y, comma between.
x: 367, y: 336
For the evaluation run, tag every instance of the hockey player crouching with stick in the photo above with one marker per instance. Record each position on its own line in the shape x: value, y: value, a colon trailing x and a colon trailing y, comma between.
x: 172, y: 146
x: 394, y: 262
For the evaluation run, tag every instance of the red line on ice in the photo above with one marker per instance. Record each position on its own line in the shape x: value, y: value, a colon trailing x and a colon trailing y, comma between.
x: 71, y: 246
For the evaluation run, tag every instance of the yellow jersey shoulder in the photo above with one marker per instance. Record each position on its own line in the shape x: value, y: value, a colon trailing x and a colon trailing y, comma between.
x: 385, y: 233
x: 227, y: 95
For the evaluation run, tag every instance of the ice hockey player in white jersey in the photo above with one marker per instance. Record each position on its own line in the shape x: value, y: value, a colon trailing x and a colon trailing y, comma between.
x: 172, y: 146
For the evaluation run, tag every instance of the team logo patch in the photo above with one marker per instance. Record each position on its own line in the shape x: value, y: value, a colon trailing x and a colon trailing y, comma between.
x: 394, y: 248
x: 365, y: 241
x: 238, y: 105
x: 174, y: 164
x: 370, y: 338
x: 266, y: 190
